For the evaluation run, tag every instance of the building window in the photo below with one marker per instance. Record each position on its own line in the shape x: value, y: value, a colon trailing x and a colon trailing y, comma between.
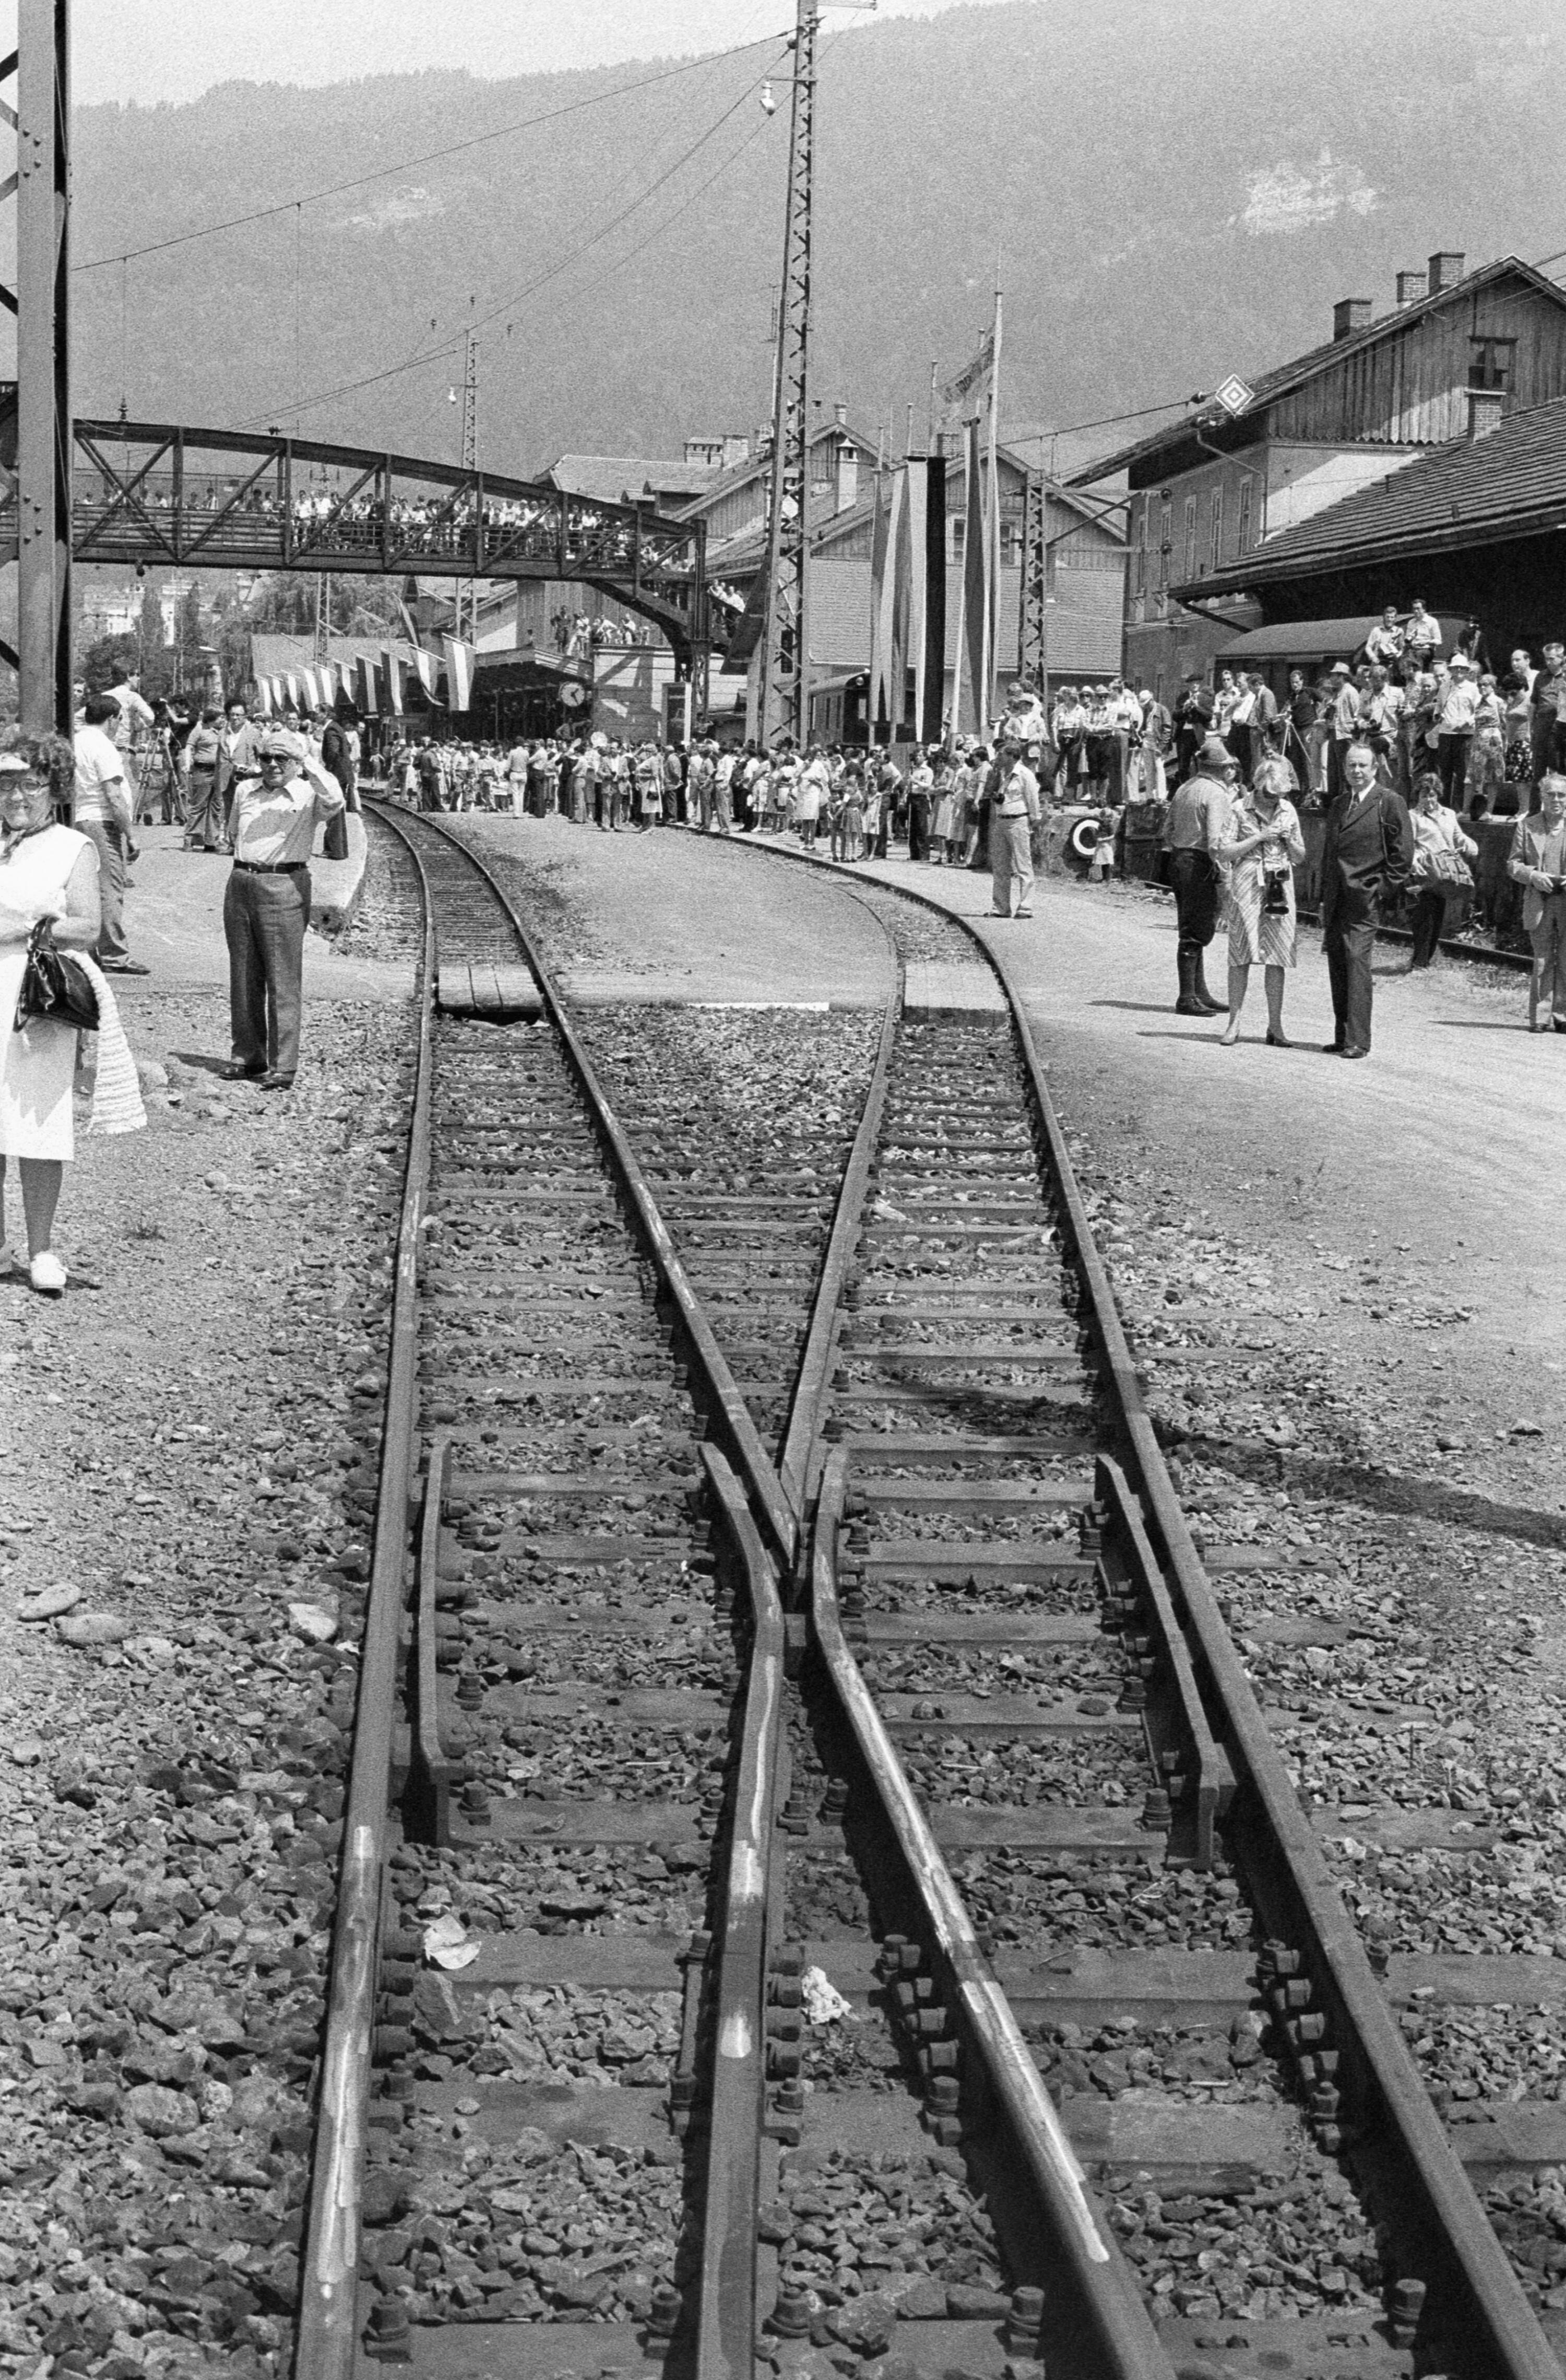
x: 958, y: 527
x: 1190, y: 536
x: 1166, y: 535
x: 1491, y: 362
x: 1011, y: 544
x: 1242, y: 528
x: 1217, y: 548
x: 1142, y: 552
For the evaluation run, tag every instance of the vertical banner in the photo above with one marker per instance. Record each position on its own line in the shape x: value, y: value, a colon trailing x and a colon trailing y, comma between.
x: 459, y: 672
x: 394, y: 669
x: 263, y: 696
x: 973, y: 655
x: 291, y: 681
x: 425, y: 665
x: 367, y: 697
x: 884, y: 704
x: 929, y: 723
x: 911, y: 553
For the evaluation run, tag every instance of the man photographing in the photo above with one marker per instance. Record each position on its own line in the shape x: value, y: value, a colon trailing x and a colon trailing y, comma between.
x: 266, y: 906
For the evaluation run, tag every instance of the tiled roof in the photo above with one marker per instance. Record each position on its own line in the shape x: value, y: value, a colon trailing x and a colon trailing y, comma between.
x: 1267, y: 387
x: 1512, y: 483
x: 271, y: 654
x: 610, y: 479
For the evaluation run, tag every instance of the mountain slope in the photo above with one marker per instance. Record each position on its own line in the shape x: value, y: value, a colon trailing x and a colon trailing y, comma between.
x: 1174, y: 192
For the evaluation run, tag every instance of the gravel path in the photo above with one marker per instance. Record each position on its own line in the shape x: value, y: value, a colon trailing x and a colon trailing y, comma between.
x: 184, y: 1454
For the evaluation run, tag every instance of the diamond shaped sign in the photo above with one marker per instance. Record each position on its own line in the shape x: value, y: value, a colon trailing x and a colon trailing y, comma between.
x: 1233, y: 395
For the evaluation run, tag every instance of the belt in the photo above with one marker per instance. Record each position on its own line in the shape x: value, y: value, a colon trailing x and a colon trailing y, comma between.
x: 271, y: 867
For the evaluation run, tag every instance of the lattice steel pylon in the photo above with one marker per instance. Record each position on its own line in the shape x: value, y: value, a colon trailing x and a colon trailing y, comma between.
x: 42, y: 186
x: 785, y: 693
x: 468, y: 589
x: 1033, y: 652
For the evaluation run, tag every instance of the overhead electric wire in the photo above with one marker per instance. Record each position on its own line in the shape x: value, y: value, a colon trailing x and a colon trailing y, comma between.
x: 428, y: 157
x: 447, y: 346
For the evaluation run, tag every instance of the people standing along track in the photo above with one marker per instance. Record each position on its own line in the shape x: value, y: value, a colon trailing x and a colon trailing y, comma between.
x: 199, y: 766
x: 102, y: 812
x: 1538, y: 862
x: 1368, y: 855
x: 1196, y: 819
x: 1260, y: 846
x: 1014, y: 815
x: 238, y: 766
x: 266, y: 906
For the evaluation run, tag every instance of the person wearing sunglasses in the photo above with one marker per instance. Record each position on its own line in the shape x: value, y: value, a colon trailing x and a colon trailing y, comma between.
x: 266, y: 904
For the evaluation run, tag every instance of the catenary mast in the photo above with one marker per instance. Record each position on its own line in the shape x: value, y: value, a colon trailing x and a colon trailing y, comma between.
x: 784, y: 699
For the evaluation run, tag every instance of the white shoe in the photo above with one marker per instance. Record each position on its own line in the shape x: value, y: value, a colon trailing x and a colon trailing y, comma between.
x: 47, y: 1274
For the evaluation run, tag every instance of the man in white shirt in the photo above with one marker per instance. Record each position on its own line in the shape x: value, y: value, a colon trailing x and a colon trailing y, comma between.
x: 130, y: 707
x: 102, y: 812
x: 266, y: 906
x: 1012, y: 820
x: 1457, y: 704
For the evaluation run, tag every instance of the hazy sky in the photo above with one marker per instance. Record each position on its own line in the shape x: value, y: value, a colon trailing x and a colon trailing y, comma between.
x: 152, y: 50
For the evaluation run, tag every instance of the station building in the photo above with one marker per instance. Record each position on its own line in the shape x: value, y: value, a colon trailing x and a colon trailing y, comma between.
x: 1216, y: 499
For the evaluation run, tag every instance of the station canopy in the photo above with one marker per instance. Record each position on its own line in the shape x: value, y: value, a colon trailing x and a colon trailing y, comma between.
x: 1317, y: 640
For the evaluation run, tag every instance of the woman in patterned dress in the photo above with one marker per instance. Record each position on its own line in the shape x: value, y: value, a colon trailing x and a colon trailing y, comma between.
x: 1260, y: 850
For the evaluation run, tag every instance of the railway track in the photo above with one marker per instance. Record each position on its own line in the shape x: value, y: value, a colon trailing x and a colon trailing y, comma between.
x: 886, y: 1924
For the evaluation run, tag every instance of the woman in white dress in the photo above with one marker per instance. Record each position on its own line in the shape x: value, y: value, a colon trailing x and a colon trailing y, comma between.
x: 45, y: 871
x: 1260, y: 849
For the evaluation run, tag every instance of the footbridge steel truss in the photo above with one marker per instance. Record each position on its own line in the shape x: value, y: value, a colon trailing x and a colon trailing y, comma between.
x: 172, y: 496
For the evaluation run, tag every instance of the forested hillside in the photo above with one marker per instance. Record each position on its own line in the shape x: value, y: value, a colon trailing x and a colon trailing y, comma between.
x: 1148, y: 243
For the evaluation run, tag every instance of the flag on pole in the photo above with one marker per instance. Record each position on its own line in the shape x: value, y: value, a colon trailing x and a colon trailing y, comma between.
x: 883, y: 591
x: 975, y: 393
x: 392, y: 663
x: 912, y: 589
x: 459, y: 672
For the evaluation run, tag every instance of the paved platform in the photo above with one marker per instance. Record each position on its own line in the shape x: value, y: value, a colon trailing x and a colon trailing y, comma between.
x: 173, y: 922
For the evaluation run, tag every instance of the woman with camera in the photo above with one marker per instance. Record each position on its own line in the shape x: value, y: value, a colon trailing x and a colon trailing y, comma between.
x: 1260, y: 848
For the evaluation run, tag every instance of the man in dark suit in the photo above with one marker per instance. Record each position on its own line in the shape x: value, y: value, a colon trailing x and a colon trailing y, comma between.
x: 1548, y: 725
x: 1193, y: 724
x: 1367, y: 855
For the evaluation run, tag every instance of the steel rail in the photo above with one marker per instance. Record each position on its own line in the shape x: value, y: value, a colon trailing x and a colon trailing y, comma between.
x: 726, y: 2314
x: 744, y: 1443
x: 1475, y: 2303
x: 326, y: 2337
x: 1099, y: 2310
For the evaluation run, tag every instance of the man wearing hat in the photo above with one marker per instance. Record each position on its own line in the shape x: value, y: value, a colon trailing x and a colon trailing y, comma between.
x: 1195, y: 821
x: 266, y: 904
x: 1457, y: 703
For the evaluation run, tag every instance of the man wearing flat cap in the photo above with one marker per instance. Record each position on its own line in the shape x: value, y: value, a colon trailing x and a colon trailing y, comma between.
x: 1196, y: 820
x: 266, y: 906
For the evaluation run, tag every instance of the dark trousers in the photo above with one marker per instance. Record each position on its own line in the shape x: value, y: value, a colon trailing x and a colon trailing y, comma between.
x: 108, y: 840
x: 1347, y: 943
x: 1451, y: 759
x: 1193, y: 879
x: 1427, y: 918
x: 1335, y: 777
x: 264, y: 920
x: 203, y: 809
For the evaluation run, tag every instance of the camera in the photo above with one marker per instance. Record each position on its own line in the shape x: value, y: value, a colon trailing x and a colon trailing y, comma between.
x: 1275, y: 893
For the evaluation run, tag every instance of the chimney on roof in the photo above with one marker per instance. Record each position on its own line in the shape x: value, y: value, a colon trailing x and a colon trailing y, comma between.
x: 1446, y: 268
x: 840, y: 415
x: 1487, y: 411
x: 846, y: 472
x: 1350, y: 314
x: 1411, y: 288
x: 736, y: 448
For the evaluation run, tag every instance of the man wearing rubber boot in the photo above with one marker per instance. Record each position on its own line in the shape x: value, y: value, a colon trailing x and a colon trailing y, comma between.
x: 1196, y: 818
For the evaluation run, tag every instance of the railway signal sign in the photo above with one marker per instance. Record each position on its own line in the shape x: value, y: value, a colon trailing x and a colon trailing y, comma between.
x: 1233, y: 395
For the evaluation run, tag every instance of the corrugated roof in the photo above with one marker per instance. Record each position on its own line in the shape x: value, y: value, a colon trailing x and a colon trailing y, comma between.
x: 1512, y: 483
x: 1268, y: 385
x: 1317, y: 640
